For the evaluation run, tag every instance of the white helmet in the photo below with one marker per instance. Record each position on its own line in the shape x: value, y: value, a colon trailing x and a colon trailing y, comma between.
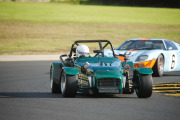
x: 82, y: 51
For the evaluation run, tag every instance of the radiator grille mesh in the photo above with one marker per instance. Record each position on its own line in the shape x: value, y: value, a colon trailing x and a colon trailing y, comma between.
x: 108, y: 82
x: 108, y: 85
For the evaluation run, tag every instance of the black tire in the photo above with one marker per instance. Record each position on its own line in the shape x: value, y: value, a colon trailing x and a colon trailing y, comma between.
x: 158, y: 68
x: 55, y: 88
x: 144, y: 86
x: 69, y: 85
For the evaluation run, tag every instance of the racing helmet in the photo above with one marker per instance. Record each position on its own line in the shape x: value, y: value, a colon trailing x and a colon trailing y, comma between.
x: 82, y: 51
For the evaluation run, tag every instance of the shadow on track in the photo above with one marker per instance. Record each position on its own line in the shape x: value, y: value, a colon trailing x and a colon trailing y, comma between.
x: 171, y: 74
x: 28, y: 95
x: 105, y: 96
x: 49, y: 95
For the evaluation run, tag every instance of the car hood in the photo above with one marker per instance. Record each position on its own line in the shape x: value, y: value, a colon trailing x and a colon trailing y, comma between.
x: 134, y: 54
x: 106, y: 72
x: 131, y: 54
x: 102, y: 67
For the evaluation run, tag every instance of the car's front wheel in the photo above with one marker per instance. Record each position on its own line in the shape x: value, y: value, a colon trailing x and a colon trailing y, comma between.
x: 158, y: 68
x: 69, y: 85
x: 144, y: 86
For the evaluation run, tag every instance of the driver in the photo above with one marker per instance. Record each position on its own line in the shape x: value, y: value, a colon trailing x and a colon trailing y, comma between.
x: 82, y: 51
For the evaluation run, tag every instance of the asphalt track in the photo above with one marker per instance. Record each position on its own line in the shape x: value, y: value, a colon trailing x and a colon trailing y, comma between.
x: 25, y: 95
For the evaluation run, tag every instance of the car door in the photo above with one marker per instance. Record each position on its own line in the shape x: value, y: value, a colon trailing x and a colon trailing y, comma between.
x: 173, y: 56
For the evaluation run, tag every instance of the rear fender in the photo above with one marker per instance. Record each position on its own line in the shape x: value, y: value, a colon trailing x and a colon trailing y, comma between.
x: 70, y: 70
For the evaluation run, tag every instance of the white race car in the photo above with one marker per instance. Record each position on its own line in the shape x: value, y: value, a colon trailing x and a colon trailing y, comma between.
x: 159, y: 54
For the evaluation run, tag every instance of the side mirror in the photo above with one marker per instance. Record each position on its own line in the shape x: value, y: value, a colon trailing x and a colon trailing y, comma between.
x: 98, y: 51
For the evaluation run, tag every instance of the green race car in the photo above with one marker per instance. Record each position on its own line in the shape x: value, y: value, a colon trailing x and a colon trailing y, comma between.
x: 82, y: 72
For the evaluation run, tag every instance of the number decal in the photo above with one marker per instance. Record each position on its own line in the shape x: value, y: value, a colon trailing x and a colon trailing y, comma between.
x: 173, y: 62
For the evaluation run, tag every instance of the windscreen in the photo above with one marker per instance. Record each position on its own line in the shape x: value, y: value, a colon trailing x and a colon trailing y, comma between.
x: 142, y: 45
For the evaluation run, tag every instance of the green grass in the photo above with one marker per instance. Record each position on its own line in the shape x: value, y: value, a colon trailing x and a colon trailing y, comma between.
x: 65, y: 13
x: 50, y: 28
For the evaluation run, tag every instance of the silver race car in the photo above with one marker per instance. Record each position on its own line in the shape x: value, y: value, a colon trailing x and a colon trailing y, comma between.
x: 159, y: 54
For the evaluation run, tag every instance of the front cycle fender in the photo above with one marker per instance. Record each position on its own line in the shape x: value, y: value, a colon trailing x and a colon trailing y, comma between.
x: 143, y: 70
x: 70, y: 70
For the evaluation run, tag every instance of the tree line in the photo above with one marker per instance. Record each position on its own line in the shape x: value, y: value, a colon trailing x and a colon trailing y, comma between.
x: 144, y: 3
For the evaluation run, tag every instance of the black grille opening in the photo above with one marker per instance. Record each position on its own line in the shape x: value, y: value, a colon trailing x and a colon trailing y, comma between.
x: 108, y: 82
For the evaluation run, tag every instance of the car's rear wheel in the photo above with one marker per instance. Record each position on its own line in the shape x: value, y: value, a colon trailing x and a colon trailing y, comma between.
x: 158, y: 68
x: 55, y: 88
x: 69, y: 85
x: 144, y: 86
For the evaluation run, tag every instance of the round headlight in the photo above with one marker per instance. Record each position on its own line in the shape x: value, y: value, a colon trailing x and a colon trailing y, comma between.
x: 86, y: 65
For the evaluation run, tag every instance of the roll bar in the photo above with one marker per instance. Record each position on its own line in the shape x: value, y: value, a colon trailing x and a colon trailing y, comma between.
x: 90, y: 41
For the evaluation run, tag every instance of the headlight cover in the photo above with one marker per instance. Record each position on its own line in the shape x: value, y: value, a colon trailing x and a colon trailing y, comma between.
x: 86, y: 65
x: 141, y: 58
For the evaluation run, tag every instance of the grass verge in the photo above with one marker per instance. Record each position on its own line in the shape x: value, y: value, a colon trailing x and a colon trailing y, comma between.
x: 51, y: 28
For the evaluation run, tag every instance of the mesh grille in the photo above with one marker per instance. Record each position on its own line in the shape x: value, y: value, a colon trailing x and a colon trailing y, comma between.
x: 108, y: 82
